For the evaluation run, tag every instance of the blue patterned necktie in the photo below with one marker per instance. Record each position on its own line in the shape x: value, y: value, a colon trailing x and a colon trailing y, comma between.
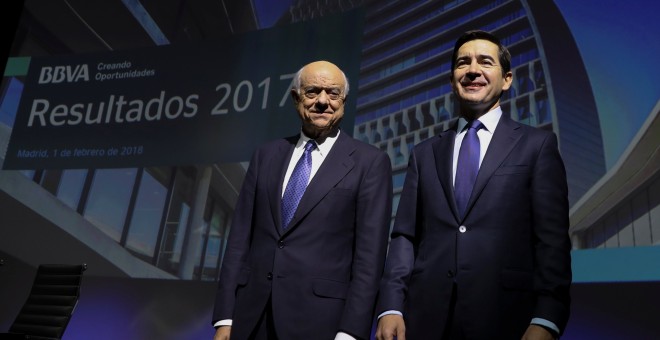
x: 297, y: 184
x: 468, y: 166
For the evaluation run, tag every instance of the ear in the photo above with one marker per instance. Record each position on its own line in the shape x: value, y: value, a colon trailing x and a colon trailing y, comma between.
x: 508, y: 80
x: 295, y: 96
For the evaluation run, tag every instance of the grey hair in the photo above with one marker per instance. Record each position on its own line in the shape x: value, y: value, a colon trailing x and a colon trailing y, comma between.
x: 296, y: 81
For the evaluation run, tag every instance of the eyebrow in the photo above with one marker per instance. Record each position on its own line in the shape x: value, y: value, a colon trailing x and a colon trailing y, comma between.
x: 309, y: 88
x: 480, y: 57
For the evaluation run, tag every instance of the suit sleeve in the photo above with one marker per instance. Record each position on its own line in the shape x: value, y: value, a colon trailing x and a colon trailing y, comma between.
x: 237, y: 245
x: 552, y: 246
x: 401, y: 254
x: 372, y: 221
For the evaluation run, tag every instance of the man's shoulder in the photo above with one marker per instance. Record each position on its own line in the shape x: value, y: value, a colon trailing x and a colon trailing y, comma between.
x: 428, y: 144
x: 279, y: 142
x: 274, y: 148
x: 534, y: 131
x: 359, y: 145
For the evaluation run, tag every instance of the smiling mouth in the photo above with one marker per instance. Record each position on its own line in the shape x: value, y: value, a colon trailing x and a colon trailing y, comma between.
x: 473, y: 87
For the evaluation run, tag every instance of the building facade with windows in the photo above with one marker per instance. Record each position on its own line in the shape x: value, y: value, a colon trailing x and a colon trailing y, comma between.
x: 405, y: 95
x: 159, y: 222
x: 623, y: 208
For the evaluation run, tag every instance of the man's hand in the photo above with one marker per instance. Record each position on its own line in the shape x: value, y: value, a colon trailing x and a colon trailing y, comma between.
x: 536, y: 332
x: 389, y: 326
x: 222, y: 333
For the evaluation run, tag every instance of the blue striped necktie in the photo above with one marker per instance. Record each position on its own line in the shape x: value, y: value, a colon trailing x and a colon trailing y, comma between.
x: 297, y: 184
x: 467, y: 166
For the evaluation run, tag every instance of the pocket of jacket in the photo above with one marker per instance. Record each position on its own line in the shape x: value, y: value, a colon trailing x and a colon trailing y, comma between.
x: 342, y: 192
x: 511, y: 169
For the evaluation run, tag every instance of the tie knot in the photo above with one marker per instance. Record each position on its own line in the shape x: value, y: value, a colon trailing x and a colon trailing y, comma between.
x: 475, y: 124
x: 310, y: 146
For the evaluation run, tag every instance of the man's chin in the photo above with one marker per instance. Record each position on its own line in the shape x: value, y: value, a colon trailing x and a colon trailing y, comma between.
x: 322, y: 123
x: 472, y: 100
x: 315, y: 130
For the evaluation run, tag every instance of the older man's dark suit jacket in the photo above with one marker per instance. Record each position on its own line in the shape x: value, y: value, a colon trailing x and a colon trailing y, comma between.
x: 323, y: 271
x: 509, y: 256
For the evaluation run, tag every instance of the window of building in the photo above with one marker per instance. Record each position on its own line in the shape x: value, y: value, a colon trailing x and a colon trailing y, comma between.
x: 398, y: 179
x: 50, y: 180
x: 543, y: 108
x: 174, y: 231
x: 215, y: 242
x: 108, y: 200
x: 29, y: 173
x: 395, y: 203
x: 399, y: 157
x: 148, y: 212
x: 524, y: 113
x: 71, y: 186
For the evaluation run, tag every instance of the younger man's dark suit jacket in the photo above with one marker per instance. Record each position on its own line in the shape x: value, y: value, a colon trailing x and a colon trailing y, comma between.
x: 509, y: 257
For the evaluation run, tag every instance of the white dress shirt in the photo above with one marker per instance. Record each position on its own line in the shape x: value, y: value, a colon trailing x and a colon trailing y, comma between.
x: 485, y: 134
x: 318, y: 156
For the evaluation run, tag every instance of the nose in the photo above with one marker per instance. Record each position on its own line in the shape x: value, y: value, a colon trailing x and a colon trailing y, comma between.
x: 322, y: 101
x: 322, y: 98
x: 474, y: 70
x: 474, y: 67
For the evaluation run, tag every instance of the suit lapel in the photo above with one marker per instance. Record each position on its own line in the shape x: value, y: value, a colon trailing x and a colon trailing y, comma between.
x: 279, y: 165
x: 336, y: 165
x: 443, y: 150
x: 506, y: 136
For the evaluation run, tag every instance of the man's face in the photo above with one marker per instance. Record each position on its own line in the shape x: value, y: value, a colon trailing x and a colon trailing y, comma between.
x: 320, y: 101
x: 477, y: 79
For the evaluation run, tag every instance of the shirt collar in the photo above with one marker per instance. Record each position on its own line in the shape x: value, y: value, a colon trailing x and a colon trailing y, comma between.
x: 489, y: 120
x: 324, y: 148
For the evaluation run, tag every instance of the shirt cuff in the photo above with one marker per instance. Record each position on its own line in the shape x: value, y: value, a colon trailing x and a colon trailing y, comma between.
x: 343, y: 336
x: 226, y: 322
x: 388, y: 312
x: 547, y: 324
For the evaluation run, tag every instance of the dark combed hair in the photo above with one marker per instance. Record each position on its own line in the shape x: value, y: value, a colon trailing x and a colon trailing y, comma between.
x: 503, y: 52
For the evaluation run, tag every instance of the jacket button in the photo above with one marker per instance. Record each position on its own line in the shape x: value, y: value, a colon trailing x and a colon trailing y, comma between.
x: 462, y: 229
x: 450, y: 274
x: 280, y: 244
x: 269, y: 276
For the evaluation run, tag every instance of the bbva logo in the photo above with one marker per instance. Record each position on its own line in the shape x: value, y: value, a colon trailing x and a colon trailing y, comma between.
x: 59, y: 74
